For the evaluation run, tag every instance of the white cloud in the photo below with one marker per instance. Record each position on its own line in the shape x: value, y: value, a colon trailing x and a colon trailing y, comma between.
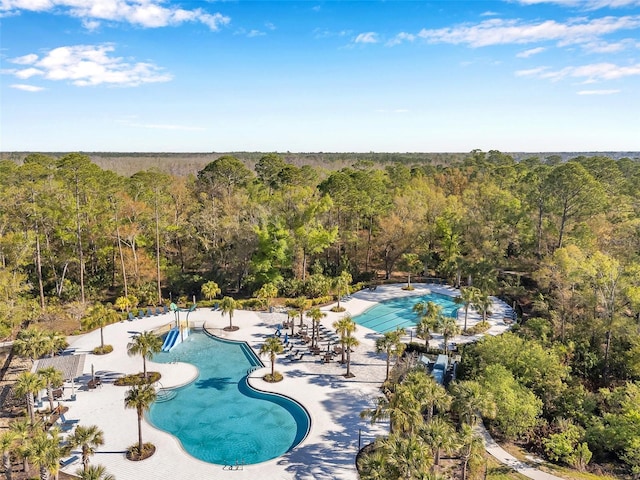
x: 501, y: 32
x: 27, y: 88
x: 25, y: 59
x: 367, y: 37
x: 530, y: 52
x: 88, y: 65
x: 145, y: 13
x: 598, y: 92
x: 400, y: 38
x: 595, y: 72
x: 255, y: 33
x: 90, y: 25
x: 531, y: 72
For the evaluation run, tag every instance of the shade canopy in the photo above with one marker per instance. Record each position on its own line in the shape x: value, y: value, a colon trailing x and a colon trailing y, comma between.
x: 71, y: 366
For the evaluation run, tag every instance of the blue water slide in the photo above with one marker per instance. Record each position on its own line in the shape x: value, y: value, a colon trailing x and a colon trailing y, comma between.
x: 170, y: 341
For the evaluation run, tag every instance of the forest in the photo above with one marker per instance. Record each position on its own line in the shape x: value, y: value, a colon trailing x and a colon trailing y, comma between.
x: 560, y: 238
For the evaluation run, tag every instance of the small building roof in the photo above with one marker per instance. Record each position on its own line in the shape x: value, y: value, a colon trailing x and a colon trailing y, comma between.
x: 71, y: 366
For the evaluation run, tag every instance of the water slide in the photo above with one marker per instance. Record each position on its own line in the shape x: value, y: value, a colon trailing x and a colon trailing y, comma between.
x: 171, y: 339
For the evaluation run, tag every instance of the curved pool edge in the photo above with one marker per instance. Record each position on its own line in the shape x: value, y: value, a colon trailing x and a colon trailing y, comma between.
x: 301, y: 434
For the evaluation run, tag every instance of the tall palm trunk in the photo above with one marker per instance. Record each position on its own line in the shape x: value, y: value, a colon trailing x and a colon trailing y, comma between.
x: 6, y: 463
x: 140, y: 445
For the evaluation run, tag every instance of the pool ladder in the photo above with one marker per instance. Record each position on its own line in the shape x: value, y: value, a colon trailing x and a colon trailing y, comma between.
x: 253, y: 369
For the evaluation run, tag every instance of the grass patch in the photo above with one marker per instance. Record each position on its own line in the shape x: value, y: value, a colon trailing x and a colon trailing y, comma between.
x: 498, y: 471
x: 137, y: 379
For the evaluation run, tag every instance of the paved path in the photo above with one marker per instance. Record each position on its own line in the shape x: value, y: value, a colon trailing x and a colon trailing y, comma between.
x: 506, y: 458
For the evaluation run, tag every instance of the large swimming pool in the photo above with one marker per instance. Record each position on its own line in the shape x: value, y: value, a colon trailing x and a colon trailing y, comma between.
x: 220, y: 419
x: 398, y: 312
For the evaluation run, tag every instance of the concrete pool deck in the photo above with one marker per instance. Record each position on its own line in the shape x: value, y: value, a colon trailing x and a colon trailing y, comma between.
x: 333, y: 402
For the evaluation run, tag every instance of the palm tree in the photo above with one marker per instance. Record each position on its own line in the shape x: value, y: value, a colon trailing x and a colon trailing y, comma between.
x: 44, y: 451
x: 301, y: 304
x: 440, y: 435
x: 391, y: 344
x: 272, y: 346
x: 145, y: 344
x: 23, y: 430
x: 94, y: 472
x: 140, y: 397
x: 227, y: 306
x: 88, y: 438
x: 53, y: 342
x: 267, y: 292
x: 53, y: 379
x: 27, y: 385
x: 210, y: 290
x: 373, y: 466
x: 291, y: 315
x: 30, y: 343
x: 100, y: 316
x: 428, y: 315
x: 344, y: 327
x: 407, y: 456
x: 315, y: 314
x: 471, y: 402
x: 482, y: 303
x: 471, y: 447
x: 8, y: 441
x: 467, y: 297
x: 349, y: 343
x: 341, y: 283
x: 429, y: 394
x: 448, y: 327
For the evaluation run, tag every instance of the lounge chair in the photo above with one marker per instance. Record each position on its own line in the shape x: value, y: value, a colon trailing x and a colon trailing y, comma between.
x: 166, y: 309
x: 131, y: 317
x: 69, y: 461
x: 140, y: 314
x: 149, y: 313
x: 158, y: 311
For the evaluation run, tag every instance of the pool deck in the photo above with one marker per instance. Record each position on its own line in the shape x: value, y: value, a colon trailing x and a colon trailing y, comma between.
x: 333, y: 402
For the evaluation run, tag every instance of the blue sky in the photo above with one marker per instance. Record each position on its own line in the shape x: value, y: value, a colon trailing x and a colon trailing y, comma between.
x: 331, y: 76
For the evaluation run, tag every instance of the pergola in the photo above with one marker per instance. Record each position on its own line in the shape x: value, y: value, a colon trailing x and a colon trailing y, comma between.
x: 71, y: 366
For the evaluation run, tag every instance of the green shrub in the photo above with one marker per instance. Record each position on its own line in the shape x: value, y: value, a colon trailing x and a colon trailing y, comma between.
x: 479, y: 327
x: 103, y: 350
x: 134, y: 454
x: 137, y: 379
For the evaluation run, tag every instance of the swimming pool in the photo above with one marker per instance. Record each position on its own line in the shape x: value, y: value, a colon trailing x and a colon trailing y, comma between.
x: 398, y: 312
x: 219, y: 418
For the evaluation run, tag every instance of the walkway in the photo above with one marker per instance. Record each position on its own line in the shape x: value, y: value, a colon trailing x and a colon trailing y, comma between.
x: 506, y: 458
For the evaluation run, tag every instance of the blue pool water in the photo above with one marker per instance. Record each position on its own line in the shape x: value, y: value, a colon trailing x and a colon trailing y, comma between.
x: 220, y: 419
x: 398, y: 312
